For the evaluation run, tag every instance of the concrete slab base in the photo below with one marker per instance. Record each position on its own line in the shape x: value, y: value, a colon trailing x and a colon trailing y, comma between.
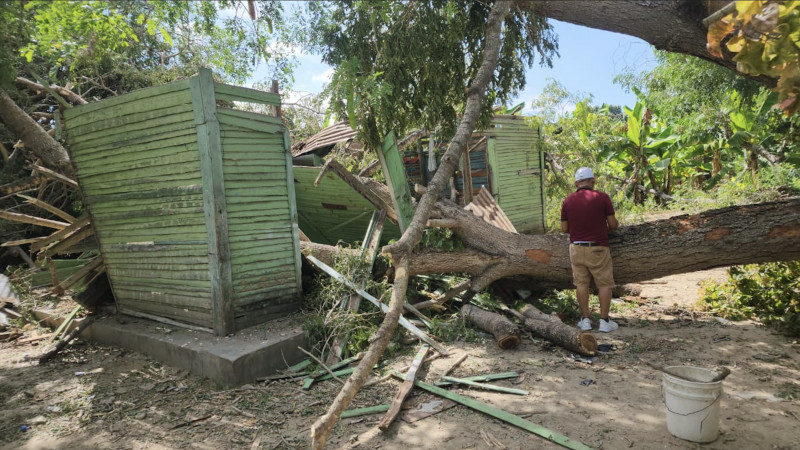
x: 251, y: 353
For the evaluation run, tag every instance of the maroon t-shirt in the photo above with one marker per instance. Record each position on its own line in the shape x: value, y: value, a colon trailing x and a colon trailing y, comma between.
x: 585, y: 211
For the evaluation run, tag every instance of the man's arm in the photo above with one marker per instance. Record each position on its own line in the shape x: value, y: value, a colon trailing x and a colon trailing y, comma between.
x: 611, y: 220
x: 564, y: 226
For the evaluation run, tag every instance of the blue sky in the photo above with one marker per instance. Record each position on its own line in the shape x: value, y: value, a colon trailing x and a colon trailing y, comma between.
x: 589, y: 61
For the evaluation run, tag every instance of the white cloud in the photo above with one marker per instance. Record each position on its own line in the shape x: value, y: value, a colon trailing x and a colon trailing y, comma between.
x: 323, y: 77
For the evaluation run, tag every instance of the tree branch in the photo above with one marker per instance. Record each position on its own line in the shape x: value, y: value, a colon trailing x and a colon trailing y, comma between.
x: 400, y: 251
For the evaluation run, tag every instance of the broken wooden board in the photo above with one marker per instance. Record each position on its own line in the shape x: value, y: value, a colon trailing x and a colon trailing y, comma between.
x: 488, y: 387
x: 404, y: 389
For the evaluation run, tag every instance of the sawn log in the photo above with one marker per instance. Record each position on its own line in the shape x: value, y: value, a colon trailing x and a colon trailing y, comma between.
x: 557, y: 332
x: 505, y: 332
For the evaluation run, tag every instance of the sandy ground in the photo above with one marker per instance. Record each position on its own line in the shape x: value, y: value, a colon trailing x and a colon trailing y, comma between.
x: 100, y: 397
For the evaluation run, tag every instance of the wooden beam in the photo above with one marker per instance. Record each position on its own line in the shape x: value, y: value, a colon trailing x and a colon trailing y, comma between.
x: 53, y: 175
x: 33, y: 220
x: 47, y: 207
x: 405, y: 389
x: 65, y: 244
x: 214, y: 205
x: 76, y: 226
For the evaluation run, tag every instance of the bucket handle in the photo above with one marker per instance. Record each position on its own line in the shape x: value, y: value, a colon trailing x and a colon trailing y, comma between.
x: 664, y: 400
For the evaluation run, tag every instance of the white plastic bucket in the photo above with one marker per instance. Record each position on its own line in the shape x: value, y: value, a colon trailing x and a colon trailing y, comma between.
x: 692, y: 408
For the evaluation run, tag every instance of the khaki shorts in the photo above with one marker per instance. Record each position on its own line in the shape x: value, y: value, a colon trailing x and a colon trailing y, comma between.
x: 591, y: 262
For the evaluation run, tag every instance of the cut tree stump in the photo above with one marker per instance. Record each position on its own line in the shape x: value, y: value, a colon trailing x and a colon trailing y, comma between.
x: 554, y: 330
x: 505, y: 332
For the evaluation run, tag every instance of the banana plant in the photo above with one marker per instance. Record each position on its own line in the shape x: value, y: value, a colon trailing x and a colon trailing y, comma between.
x: 646, y: 149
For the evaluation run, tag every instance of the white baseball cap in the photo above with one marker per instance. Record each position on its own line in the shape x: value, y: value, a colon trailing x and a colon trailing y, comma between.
x: 584, y: 173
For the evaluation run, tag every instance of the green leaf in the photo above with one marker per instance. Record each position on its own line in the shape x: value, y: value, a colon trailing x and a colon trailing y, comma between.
x: 165, y: 35
x: 634, y: 130
x: 663, y: 164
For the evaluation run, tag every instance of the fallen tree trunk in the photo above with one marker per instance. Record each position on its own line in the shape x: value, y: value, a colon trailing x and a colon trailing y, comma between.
x: 747, y: 234
x: 504, y: 331
x: 33, y: 135
x: 557, y: 332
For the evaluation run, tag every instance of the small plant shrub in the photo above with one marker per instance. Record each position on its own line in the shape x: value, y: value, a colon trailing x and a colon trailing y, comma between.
x: 770, y: 292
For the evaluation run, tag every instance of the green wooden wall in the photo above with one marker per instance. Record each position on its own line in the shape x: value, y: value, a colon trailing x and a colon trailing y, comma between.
x: 191, y: 203
x: 333, y: 210
x: 516, y: 168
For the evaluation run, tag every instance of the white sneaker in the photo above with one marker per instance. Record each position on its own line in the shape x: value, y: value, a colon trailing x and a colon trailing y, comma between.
x: 585, y: 324
x: 607, y: 326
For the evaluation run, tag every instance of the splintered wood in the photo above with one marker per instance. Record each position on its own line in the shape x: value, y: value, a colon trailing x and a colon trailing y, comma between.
x: 405, y: 389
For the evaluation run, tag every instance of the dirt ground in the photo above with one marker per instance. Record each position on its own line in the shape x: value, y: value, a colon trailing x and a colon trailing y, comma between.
x: 93, y: 396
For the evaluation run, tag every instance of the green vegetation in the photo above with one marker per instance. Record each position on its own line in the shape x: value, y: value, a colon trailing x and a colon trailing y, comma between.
x: 327, y: 318
x: 769, y: 292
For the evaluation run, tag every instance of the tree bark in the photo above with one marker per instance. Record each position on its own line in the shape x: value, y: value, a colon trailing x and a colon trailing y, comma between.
x: 747, y: 234
x: 671, y: 25
x: 557, y: 332
x: 33, y: 135
x: 504, y: 331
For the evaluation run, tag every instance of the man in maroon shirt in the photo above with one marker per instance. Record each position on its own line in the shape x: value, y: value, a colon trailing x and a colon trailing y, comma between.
x: 588, y: 215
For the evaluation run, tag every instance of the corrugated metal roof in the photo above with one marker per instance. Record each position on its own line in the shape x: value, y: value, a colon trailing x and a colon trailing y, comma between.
x: 484, y: 206
x: 334, y: 134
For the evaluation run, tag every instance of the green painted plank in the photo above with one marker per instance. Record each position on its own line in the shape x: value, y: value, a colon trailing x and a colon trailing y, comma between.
x: 178, y: 138
x: 499, y: 414
x: 114, y: 163
x: 177, y: 122
x: 210, y: 151
x: 272, y: 299
x: 197, y: 297
x: 108, y: 104
x: 199, y: 273
x: 148, y: 193
x: 138, y: 112
x: 487, y: 377
x: 147, y: 171
x: 144, y: 186
x: 394, y: 170
x: 237, y: 93
x: 488, y: 387
x: 194, y: 302
x: 229, y: 119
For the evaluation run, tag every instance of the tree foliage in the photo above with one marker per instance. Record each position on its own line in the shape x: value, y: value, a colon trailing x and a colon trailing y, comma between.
x: 105, y: 48
x: 406, y: 64
x: 765, y: 36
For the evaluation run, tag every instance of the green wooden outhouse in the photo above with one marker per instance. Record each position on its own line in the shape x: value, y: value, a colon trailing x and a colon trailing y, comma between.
x: 192, y: 202
x: 506, y: 159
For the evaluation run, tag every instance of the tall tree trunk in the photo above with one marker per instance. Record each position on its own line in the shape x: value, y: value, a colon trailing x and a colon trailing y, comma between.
x: 401, y: 250
x: 33, y: 135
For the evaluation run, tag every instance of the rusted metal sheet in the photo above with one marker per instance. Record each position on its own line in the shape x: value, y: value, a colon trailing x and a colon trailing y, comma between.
x: 339, y: 132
